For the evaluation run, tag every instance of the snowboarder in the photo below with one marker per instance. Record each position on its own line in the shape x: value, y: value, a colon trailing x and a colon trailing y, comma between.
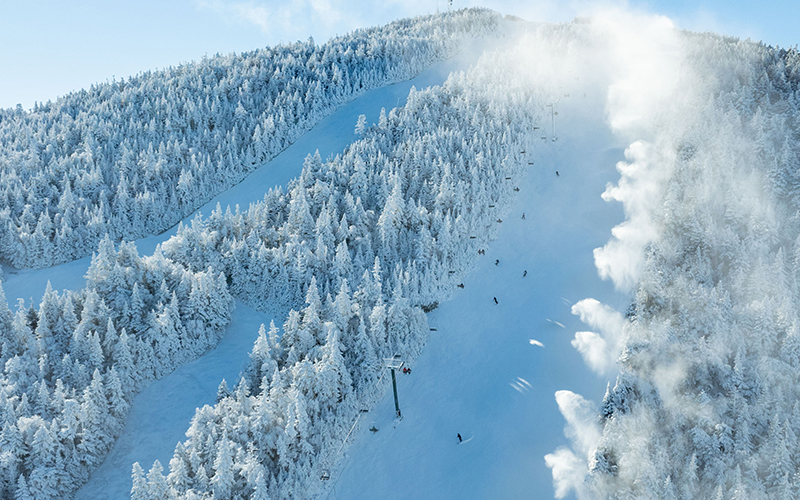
x: 459, y: 437
x: 524, y: 273
x: 495, y: 300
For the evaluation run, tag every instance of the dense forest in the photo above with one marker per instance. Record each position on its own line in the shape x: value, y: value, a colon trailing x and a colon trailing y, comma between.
x: 131, y: 158
x: 355, y: 251
x: 72, y: 367
x: 128, y: 158
x: 358, y: 248
x: 706, y: 401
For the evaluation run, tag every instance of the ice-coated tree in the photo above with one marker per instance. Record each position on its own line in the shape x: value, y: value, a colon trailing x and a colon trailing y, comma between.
x: 301, y: 392
x: 222, y: 481
x: 361, y: 124
x: 139, y: 490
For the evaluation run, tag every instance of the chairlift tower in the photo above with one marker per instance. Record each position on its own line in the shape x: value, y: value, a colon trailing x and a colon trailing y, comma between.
x: 553, y: 113
x: 393, y: 364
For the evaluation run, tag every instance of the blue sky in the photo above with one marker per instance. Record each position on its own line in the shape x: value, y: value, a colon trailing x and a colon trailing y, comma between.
x: 51, y: 47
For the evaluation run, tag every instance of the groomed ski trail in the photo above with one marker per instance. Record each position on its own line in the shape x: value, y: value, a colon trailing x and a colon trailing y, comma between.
x: 161, y: 414
x: 330, y: 137
x: 465, y: 379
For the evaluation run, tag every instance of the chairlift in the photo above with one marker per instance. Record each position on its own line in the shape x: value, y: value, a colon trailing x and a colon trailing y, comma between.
x: 522, y: 152
x: 472, y: 237
x: 530, y: 163
x: 434, y: 330
x: 325, y: 476
x: 491, y: 206
x: 544, y: 137
x: 508, y: 178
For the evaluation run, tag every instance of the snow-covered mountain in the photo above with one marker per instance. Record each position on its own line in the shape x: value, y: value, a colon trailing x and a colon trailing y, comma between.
x: 461, y: 228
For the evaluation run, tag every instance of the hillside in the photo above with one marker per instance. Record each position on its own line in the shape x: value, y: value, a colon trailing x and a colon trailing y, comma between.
x: 480, y: 374
x: 171, y: 402
x: 562, y: 209
x: 130, y: 158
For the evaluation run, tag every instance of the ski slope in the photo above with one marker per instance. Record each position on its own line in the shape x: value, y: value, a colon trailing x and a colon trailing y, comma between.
x: 480, y: 375
x: 329, y: 137
x: 490, y: 371
x: 161, y: 414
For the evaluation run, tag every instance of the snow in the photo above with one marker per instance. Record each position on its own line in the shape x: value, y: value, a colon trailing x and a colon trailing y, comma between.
x: 485, y: 372
x: 161, y: 414
x: 330, y: 137
x: 472, y: 377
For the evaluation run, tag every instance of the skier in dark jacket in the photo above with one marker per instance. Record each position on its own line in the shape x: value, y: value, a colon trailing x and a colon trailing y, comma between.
x: 459, y: 438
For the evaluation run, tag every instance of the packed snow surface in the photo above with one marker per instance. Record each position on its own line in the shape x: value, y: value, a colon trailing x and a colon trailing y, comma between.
x: 481, y: 374
x: 490, y: 370
x: 330, y: 137
x: 161, y: 413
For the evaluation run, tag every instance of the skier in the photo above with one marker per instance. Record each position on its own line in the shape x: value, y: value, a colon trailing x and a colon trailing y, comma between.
x: 557, y: 174
x: 495, y: 300
x: 497, y: 262
x: 523, y: 215
x: 459, y: 437
x: 524, y: 273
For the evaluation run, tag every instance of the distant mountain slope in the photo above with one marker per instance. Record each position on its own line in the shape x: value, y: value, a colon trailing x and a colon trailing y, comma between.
x: 132, y: 157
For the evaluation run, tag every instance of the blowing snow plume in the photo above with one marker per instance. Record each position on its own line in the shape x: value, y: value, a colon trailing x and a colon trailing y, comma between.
x: 599, y: 350
x: 705, y: 403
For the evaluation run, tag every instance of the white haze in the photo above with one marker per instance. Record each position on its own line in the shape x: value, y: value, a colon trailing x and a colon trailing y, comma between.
x: 636, y: 61
x: 599, y: 350
x: 706, y: 398
x: 569, y: 465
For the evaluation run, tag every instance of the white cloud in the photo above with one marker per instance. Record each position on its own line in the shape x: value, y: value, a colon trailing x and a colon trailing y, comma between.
x: 569, y: 466
x: 599, y: 350
x: 641, y: 191
x: 568, y: 472
x: 598, y: 315
x: 594, y: 350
